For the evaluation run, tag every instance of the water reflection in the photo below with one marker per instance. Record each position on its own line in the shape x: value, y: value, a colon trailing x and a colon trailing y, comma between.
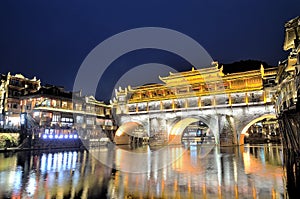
x: 199, y: 172
x: 250, y: 172
x: 51, y: 175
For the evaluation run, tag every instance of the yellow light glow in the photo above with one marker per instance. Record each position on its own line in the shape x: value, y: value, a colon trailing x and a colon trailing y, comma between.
x: 243, y: 132
x: 127, y: 128
x: 176, y: 131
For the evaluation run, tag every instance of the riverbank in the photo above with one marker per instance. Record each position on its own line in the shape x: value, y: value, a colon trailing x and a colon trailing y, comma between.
x: 8, y: 139
x: 17, y: 149
x: 45, y: 144
x: 56, y: 144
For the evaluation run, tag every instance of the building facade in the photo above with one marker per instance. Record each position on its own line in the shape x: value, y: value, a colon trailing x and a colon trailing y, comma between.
x: 207, y: 87
x: 11, y: 89
x: 288, y: 77
x: 54, y: 113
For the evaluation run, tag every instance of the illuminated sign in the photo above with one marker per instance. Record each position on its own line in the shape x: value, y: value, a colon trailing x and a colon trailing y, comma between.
x: 23, y: 118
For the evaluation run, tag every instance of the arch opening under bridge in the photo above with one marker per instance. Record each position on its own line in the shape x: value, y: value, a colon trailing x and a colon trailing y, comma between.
x: 252, y: 122
x: 126, y: 131
x: 177, y: 130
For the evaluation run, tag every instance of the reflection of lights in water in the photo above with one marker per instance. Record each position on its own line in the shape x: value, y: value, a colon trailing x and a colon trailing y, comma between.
x: 118, y: 158
x: 164, y: 170
x: 132, y: 162
x: 262, y: 156
x: 65, y: 160
x: 31, y: 184
x: 193, y: 154
x: 155, y: 175
x: 74, y: 160
x: 70, y: 157
x: 177, y: 157
x: 58, y: 182
x: 49, y: 162
x: 149, y: 166
x: 17, y: 181
x: 43, y: 163
x: 76, y: 178
x: 61, y: 178
x: 219, y: 166
x: 227, y: 168
x: 59, y: 161
x: 235, y: 171
x: 54, y: 161
x: 157, y: 189
x: 246, y: 157
x: 11, y: 176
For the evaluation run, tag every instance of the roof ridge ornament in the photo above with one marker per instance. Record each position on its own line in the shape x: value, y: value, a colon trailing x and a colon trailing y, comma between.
x: 262, y: 70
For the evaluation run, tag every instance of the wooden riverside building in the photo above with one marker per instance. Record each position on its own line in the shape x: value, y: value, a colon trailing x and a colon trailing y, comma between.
x: 57, y: 117
x: 287, y: 105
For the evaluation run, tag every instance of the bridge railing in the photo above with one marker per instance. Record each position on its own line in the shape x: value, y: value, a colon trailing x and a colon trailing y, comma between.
x: 206, y: 102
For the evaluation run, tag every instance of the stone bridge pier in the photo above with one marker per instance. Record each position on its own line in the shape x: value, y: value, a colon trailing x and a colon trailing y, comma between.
x: 229, y: 125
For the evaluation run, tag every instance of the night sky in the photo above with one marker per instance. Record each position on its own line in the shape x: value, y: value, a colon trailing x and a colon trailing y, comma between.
x: 50, y: 39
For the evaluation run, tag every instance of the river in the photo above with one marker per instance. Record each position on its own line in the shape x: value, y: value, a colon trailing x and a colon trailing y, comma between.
x: 189, y: 171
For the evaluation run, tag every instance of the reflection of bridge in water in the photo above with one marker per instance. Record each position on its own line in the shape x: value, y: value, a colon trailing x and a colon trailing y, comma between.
x: 198, y: 172
x: 227, y: 103
x: 221, y: 172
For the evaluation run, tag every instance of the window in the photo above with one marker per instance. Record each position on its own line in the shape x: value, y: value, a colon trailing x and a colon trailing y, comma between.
x: 56, y: 118
x: 122, y: 98
x: 89, y: 121
x: 64, y: 104
x: 79, y: 119
x: 54, y: 104
x: 78, y: 107
x: 92, y: 108
x: 88, y: 108
x: 28, y: 107
x: 67, y: 120
x: 15, y: 106
x: 108, y: 123
x: 99, y: 121
x: 107, y: 111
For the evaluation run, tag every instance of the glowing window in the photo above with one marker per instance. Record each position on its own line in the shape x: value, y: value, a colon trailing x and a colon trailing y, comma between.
x: 64, y: 104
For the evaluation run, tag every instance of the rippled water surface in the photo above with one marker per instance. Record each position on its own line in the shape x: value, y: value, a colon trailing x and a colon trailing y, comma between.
x: 197, y: 171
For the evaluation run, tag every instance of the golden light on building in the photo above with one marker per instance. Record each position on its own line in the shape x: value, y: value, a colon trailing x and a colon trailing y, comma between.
x: 197, y: 89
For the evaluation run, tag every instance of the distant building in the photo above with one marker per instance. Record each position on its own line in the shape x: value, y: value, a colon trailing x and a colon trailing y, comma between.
x: 12, y: 87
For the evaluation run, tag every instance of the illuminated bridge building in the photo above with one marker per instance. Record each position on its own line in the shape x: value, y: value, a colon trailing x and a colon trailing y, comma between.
x: 228, y: 104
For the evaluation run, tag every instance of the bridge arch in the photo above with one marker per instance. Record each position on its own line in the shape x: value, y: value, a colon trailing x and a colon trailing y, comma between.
x: 123, y: 133
x: 175, y: 133
x: 247, y: 126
